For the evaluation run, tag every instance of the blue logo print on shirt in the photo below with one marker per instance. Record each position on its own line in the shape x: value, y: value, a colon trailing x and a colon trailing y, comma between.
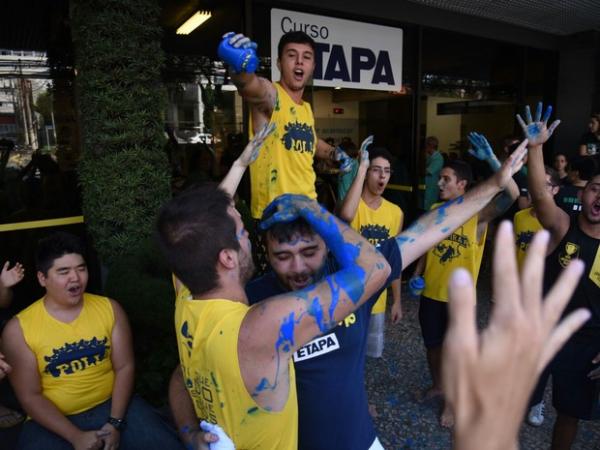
x: 375, y: 234
x: 298, y: 137
x: 524, y: 239
x: 77, y: 356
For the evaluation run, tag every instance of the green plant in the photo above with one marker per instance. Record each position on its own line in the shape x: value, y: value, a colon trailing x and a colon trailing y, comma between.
x: 141, y: 282
x: 120, y: 97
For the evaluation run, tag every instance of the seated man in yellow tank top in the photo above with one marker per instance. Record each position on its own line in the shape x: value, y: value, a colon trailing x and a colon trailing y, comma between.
x: 463, y: 248
x: 73, y: 366
x: 236, y: 360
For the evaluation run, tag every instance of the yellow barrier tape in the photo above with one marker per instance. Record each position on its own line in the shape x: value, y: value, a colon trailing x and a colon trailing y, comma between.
x: 403, y: 187
x: 41, y: 223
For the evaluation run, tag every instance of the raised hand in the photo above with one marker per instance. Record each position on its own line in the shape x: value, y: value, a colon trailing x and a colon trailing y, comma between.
x: 239, y: 52
x: 537, y: 131
x: 9, y: 278
x: 252, y: 149
x: 223, y: 443
x: 364, y: 153
x: 488, y: 377
x: 512, y: 165
x: 482, y: 150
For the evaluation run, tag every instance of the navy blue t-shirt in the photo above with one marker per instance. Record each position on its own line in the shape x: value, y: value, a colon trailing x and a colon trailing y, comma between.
x: 333, y: 412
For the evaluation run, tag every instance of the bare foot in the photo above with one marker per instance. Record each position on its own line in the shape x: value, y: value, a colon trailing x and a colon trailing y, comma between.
x: 429, y: 394
x: 373, y: 411
x: 447, y: 418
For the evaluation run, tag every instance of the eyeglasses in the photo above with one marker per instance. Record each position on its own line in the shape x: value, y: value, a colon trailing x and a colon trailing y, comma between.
x: 380, y: 170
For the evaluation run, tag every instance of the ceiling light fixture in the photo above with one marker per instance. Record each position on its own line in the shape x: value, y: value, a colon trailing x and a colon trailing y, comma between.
x: 194, y: 22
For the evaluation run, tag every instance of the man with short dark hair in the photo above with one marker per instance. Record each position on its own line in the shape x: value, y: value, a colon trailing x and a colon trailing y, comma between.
x: 462, y: 248
x: 72, y: 363
x: 252, y: 394
x: 575, y: 371
x: 298, y: 257
x: 377, y: 219
x: 286, y: 163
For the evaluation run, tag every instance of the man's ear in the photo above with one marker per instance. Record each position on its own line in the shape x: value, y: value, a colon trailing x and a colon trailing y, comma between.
x: 279, y: 65
x: 41, y: 279
x: 228, y: 258
x: 462, y: 184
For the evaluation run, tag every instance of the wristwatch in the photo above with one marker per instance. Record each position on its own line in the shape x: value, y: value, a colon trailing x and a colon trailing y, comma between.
x: 119, y: 424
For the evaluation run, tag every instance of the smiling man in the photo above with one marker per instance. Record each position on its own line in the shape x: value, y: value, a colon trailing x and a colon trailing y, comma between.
x: 285, y: 165
x: 73, y: 365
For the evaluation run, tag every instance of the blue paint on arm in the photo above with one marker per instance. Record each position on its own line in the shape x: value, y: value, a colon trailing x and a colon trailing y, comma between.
x: 286, y: 334
x: 316, y: 311
x: 445, y: 229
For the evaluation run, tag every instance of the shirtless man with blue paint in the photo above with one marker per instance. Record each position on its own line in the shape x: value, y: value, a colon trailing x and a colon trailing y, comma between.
x: 411, y: 244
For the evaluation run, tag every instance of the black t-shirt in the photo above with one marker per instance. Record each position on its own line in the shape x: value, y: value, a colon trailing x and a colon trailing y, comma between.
x: 568, y: 199
x: 592, y: 142
x: 577, y: 244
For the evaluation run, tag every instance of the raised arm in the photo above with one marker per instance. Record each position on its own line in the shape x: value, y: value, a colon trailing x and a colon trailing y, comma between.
x: 232, y: 180
x: 239, y: 52
x: 488, y: 377
x: 483, y: 151
x: 350, y: 204
x: 25, y: 380
x: 552, y: 217
x: 434, y: 226
x: 123, y: 363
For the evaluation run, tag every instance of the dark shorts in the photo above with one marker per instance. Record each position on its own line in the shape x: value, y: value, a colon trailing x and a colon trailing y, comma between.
x: 433, y: 318
x: 573, y: 393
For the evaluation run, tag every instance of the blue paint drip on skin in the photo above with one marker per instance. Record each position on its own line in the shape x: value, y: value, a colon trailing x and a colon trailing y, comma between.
x: 442, y: 212
x: 351, y: 280
x: 316, y: 311
x: 263, y: 385
x: 445, y: 229
x: 286, y: 334
x: 335, y: 296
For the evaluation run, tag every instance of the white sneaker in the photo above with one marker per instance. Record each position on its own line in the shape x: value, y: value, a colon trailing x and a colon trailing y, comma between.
x: 536, y: 415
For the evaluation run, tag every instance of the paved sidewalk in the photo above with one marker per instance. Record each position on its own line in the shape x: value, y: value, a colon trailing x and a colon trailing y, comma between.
x: 394, y: 380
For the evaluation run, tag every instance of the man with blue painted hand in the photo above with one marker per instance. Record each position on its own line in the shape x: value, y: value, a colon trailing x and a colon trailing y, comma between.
x: 463, y: 248
x: 330, y: 369
x: 236, y: 359
x: 286, y: 163
x: 575, y: 370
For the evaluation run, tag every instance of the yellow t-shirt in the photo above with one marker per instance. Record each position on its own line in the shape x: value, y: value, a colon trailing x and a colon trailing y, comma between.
x: 377, y: 225
x: 285, y: 162
x: 460, y: 249
x: 207, y: 338
x: 74, y: 359
x: 525, y: 226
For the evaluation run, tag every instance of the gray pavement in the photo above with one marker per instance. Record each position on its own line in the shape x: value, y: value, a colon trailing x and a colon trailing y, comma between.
x: 394, y: 381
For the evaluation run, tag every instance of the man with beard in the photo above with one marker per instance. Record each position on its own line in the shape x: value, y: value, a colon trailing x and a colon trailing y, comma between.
x: 330, y: 369
x: 575, y: 371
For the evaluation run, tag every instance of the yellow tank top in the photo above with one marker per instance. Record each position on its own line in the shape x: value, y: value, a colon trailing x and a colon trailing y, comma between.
x: 460, y: 249
x: 74, y: 359
x: 285, y: 162
x: 377, y: 225
x: 525, y: 226
x: 207, y: 337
